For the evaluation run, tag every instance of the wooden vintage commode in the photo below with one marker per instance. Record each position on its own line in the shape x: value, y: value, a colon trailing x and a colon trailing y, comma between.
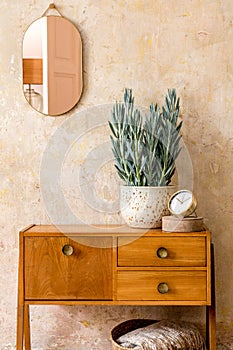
x: 114, y: 265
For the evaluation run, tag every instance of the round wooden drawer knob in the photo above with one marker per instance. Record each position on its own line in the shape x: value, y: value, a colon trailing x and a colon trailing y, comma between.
x: 163, y: 288
x: 67, y: 250
x: 162, y: 253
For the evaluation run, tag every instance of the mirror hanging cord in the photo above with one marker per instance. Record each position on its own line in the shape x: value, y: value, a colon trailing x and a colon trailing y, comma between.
x: 52, y: 6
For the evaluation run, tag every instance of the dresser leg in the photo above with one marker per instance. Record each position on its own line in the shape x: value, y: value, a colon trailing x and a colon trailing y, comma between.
x: 20, y: 327
x: 27, y: 327
x: 210, y: 310
x: 21, y: 305
x: 211, y: 329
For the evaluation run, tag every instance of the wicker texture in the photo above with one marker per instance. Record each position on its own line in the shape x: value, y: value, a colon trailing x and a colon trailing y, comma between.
x: 154, y: 335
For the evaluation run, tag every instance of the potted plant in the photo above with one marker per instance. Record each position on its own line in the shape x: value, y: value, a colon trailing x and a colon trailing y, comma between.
x: 145, y: 149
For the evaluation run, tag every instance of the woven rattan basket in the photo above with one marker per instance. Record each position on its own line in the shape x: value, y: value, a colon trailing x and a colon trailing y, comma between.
x: 172, y: 334
x: 126, y: 327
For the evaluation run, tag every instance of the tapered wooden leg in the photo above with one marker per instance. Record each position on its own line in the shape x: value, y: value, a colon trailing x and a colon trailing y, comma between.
x: 210, y: 311
x: 27, y: 327
x: 20, y: 327
x: 21, y: 304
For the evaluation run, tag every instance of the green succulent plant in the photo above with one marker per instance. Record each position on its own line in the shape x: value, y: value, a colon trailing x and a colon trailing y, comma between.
x: 146, y: 147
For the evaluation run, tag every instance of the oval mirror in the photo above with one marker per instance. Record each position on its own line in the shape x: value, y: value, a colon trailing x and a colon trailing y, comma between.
x: 52, y: 65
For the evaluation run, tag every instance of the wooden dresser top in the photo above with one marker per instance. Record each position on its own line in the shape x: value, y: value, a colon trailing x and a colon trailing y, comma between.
x: 112, y: 230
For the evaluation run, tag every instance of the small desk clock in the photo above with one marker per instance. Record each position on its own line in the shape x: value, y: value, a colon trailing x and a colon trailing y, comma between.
x: 182, y: 204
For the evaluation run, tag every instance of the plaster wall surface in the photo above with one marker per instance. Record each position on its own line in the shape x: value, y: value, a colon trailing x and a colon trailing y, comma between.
x: 148, y: 46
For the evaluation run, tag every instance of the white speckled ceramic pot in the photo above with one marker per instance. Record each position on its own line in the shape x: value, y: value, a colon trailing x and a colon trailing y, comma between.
x: 144, y: 207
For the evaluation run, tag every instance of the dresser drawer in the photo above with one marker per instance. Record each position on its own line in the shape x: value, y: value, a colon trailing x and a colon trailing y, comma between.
x: 61, y: 268
x: 162, y: 251
x: 173, y: 285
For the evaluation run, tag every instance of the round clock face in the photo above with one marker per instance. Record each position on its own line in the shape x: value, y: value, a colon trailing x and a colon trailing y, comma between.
x: 182, y: 203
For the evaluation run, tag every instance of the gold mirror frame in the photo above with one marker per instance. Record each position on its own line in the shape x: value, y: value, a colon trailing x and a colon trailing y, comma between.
x: 52, y: 64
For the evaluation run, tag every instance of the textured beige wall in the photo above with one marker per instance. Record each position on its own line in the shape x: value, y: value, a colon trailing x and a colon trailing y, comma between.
x: 147, y: 45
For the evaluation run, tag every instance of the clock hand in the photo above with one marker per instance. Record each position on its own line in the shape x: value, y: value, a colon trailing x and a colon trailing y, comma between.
x: 179, y: 200
x: 186, y: 200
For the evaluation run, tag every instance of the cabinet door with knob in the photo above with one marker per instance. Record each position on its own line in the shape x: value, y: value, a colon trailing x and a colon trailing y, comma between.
x: 65, y: 269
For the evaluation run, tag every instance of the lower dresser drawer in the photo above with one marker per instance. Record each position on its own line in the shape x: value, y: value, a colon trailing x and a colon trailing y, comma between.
x: 162, y: 286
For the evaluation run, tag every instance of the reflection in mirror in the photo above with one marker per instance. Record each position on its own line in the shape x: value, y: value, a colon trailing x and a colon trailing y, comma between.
x: 52, y: 65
